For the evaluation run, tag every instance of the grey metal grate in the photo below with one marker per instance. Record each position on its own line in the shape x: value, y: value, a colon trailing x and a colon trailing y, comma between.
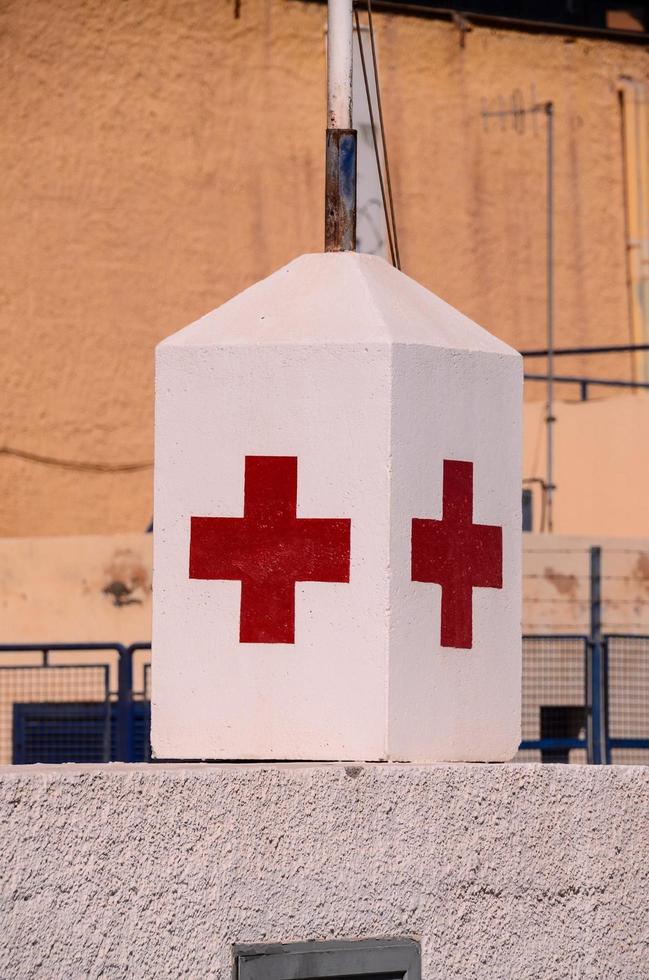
x: 370, y: 959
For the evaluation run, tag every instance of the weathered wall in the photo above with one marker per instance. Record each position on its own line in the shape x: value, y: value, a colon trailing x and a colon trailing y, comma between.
x: 90, y: 589
x: 158, y: 158
x: 556, y: 584
x: 502, y: 871
x: 98, y: 589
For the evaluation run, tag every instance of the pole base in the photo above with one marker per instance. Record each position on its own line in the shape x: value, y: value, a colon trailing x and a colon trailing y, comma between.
x: 340, y: 191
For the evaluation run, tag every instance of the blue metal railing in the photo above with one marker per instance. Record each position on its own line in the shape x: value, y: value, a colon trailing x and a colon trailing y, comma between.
x: 126, y: 712
x: 583, y: 694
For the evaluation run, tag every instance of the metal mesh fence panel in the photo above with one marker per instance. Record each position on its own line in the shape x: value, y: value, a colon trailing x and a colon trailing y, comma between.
x: 554, y: 699
x: 57, y: 711
x: 628, y: 699
x: 54, y: 714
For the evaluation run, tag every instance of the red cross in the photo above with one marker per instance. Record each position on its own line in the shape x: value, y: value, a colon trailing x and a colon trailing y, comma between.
x: 269, y: 549
x: 457, y: 554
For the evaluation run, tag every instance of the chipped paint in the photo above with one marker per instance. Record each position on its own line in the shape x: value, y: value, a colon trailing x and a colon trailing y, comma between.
x: 641, y: 571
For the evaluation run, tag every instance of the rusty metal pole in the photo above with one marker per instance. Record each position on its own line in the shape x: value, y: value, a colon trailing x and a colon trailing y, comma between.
x: 340, y: 183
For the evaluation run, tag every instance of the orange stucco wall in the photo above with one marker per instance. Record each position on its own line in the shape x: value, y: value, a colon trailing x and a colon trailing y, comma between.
x: 156, y: 158
x: 601, y: 465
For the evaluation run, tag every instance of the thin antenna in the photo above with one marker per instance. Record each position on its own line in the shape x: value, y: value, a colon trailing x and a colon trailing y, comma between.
x: 340, y: 187
x: 518, y: 114
x: 550, y: 417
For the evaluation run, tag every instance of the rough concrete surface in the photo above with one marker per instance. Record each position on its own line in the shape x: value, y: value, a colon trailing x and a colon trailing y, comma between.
x: 501, y: 871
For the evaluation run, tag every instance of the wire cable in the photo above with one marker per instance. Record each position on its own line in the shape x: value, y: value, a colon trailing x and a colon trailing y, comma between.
x: 383, y: 142
x: 79, y: 466
x: 374, y: 140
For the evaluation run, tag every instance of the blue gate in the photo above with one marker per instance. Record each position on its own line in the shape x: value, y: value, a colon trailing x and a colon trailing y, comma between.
x: 55, y: 709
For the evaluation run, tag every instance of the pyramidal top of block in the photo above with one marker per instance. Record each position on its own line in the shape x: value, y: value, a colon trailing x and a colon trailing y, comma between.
x: 337, y: 298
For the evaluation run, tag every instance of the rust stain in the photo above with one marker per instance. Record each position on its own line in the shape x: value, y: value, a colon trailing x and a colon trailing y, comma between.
x: 641, y: 570
x: 127, y: 578
x: 566, y: 585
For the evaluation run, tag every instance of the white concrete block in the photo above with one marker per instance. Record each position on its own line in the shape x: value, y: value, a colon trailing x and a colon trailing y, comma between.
x: 337, y: 530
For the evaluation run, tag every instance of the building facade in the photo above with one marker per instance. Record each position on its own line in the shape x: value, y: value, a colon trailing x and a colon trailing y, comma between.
x: 157, y: 159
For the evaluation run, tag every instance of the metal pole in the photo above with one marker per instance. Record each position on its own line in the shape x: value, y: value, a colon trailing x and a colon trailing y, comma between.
x: 124, y: 733
x: 340, y: 187
x: 549, y: 415
x: 594, y: 684
x: 339, y: 64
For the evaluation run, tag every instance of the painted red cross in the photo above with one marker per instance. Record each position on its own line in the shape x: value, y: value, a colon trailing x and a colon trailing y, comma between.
x: 269, y: 549
x: 457, y: 554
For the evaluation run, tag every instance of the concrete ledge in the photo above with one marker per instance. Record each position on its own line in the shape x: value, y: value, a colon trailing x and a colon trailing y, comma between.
x: 154, y: 871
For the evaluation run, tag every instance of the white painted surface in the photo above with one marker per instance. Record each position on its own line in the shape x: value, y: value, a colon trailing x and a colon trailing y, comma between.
x: 459, y: 704
x: 371, y: 381
x: 339, y: 64
x: 502, y: 872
